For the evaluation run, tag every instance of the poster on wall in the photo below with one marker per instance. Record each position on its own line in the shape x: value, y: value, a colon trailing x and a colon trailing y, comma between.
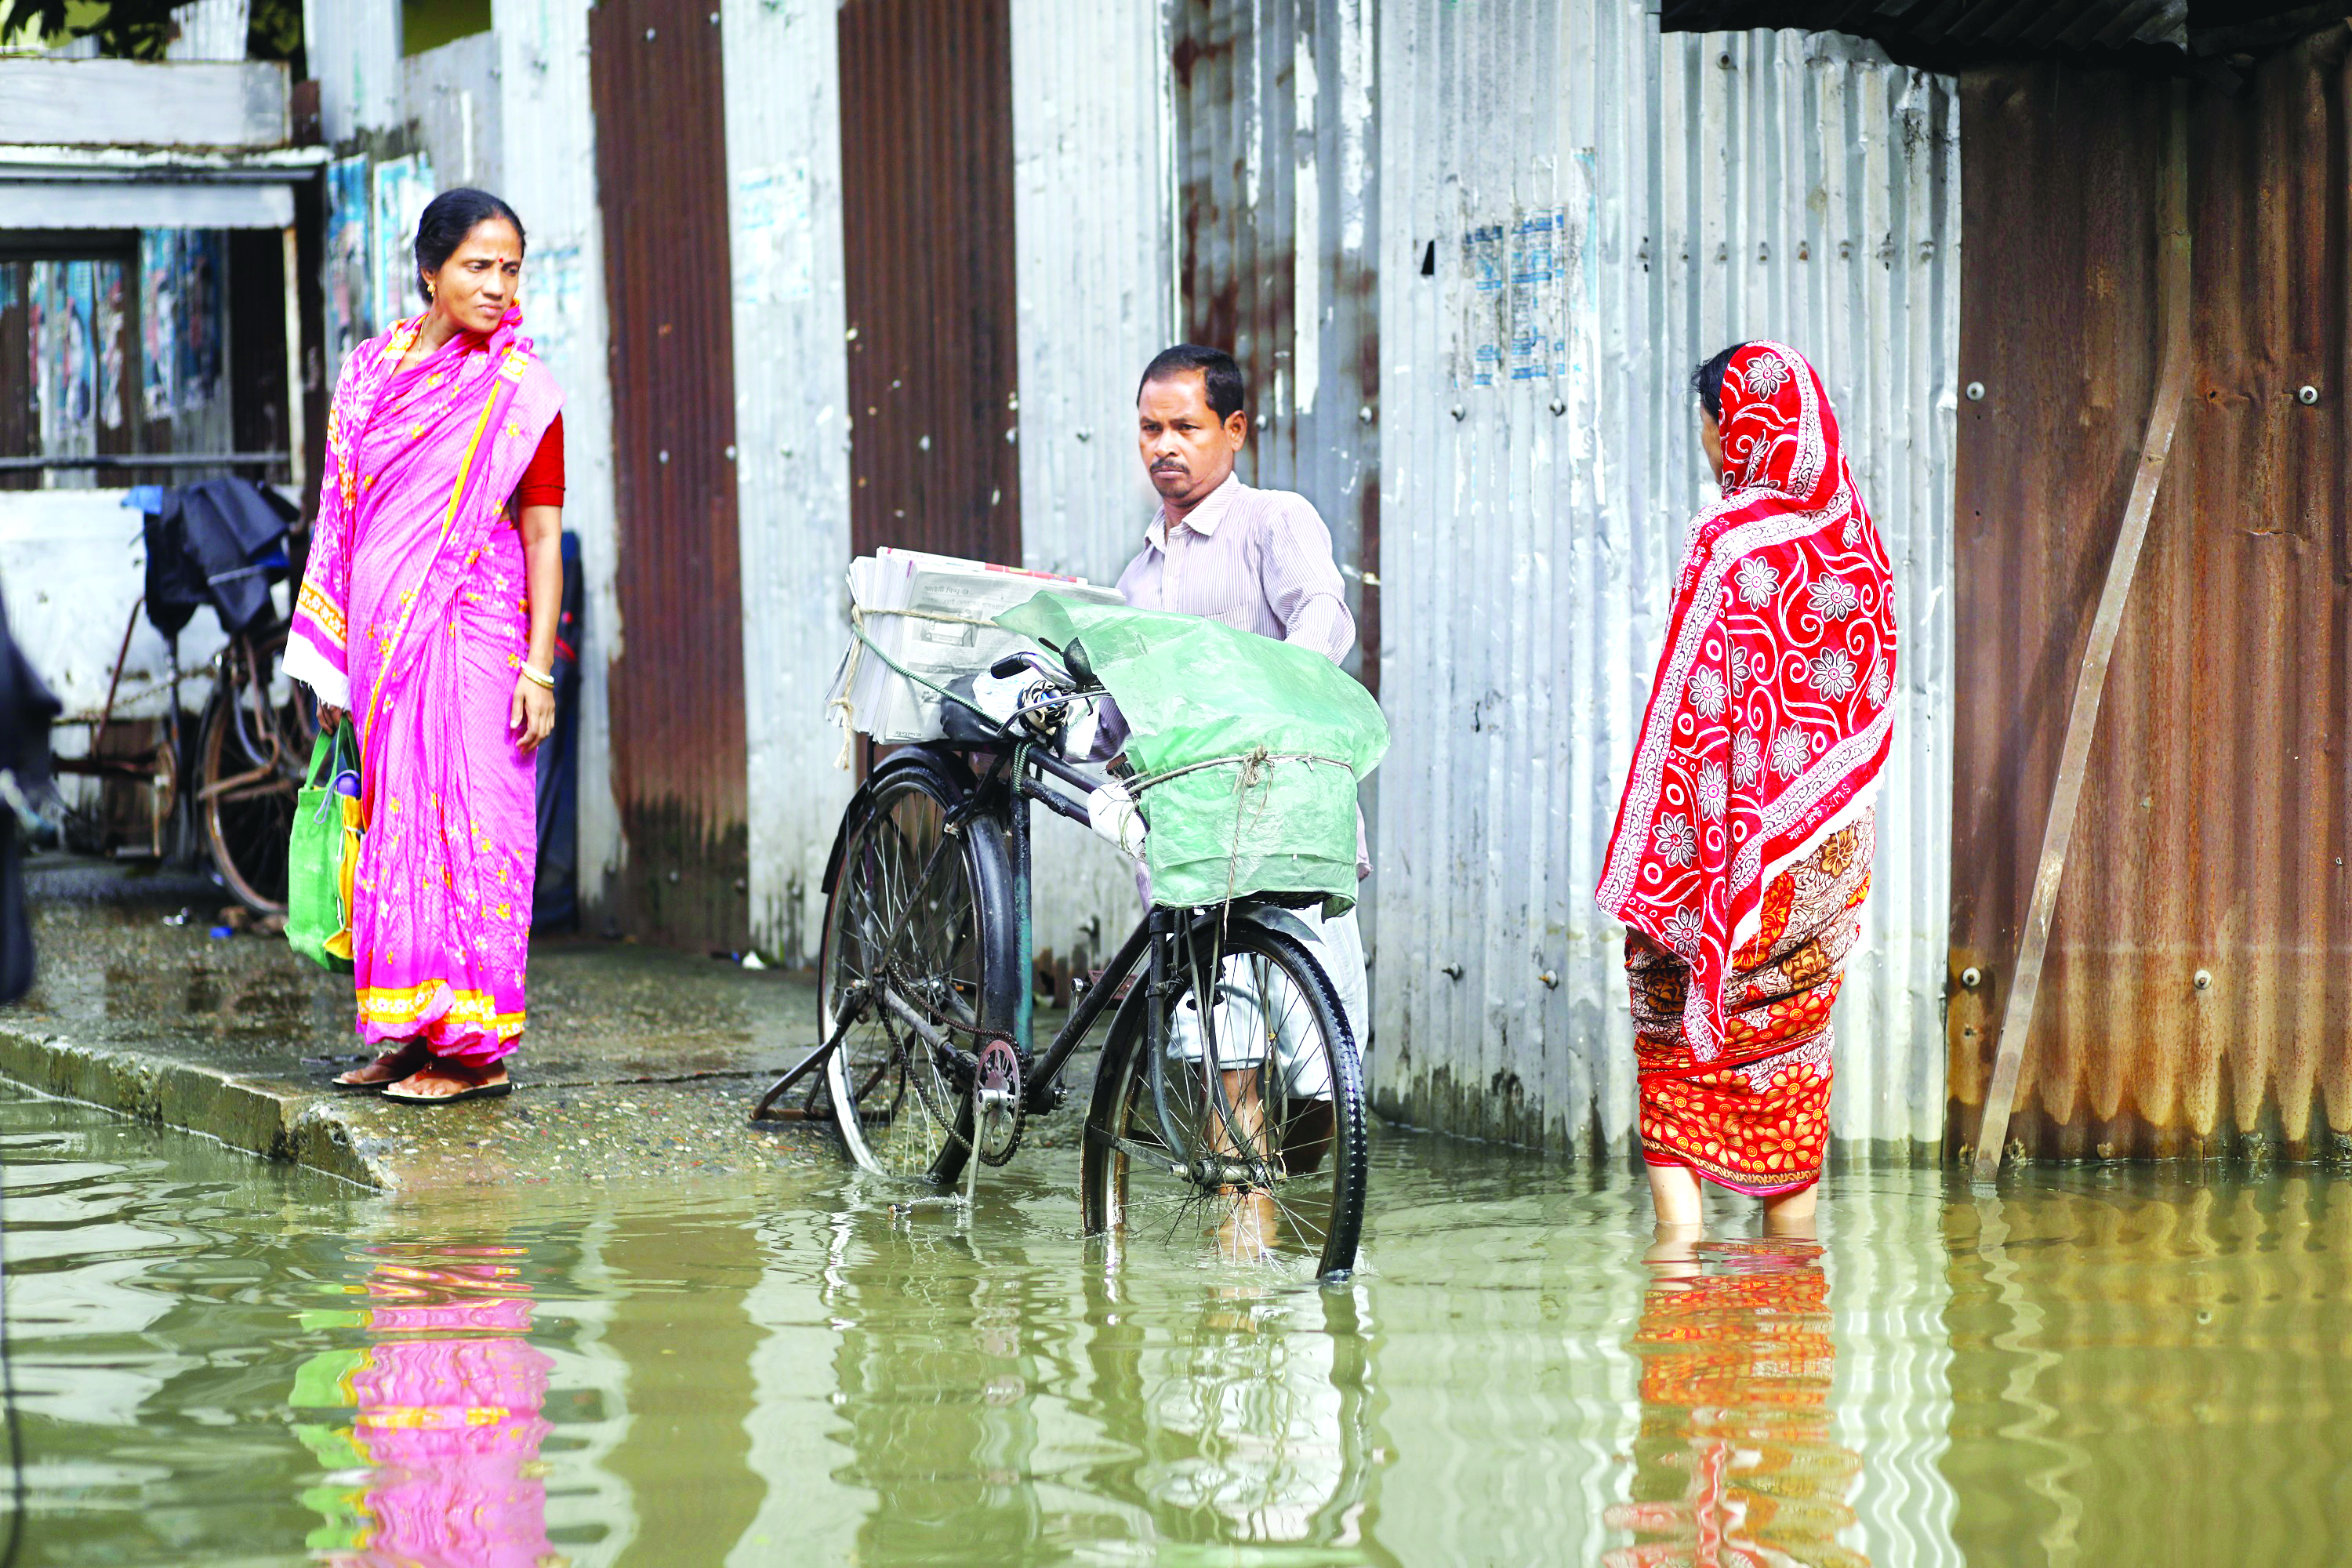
x: 402, y: 187
x: 350, y: 312
x: 203, y: 295
x: 159, y: 316
x: 113, y: 401
x: 183, y: 318
x: 64, y: 356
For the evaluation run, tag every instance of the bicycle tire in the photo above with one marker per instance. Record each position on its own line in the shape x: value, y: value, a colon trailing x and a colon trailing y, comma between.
x: 966, y: 967
x: 1323, y: 1213
x: 247, y: 829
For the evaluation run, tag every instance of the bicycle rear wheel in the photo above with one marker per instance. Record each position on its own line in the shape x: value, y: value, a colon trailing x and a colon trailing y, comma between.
x: 250, y: 755
x: 1252, y: 1134
x: 903, y: 1107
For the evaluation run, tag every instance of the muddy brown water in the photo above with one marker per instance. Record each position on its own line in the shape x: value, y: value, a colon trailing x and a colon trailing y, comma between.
x: 218, y: 1360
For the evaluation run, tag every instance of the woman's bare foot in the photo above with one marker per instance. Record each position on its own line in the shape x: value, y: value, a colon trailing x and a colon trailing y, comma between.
x: 446, y: 1078
x: 1791, y: 1213
x: 390, y: 1068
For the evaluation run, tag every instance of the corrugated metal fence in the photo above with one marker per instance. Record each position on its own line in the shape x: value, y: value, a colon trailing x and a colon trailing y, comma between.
x: 1278, y: 208
x: 2200, y: 962
x: 1574, y: 211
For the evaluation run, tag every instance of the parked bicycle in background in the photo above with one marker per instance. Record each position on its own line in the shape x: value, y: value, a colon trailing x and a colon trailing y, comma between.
x: 223, y: 787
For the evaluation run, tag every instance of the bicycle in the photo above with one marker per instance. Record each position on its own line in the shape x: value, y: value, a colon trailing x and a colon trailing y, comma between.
x: 233, y: 775
x: 926, y: 1003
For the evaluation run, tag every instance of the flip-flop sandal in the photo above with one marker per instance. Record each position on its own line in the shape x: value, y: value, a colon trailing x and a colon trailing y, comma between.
x: 479, y: 1091
x: 378, y: 1087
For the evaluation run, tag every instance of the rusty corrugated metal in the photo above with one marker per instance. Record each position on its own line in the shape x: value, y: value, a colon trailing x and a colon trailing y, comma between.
x: 677, y: 693
x: 2217, y: 802
x: 926, y: 234
x: 1280, y: 225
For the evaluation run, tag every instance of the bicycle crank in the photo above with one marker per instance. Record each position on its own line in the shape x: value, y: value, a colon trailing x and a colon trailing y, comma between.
x: 997, y: 1115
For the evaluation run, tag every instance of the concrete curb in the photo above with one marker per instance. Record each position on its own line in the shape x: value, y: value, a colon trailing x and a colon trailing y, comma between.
x: 261, y: 1119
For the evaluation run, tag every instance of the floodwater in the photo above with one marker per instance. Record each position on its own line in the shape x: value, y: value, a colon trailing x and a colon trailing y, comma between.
x: 221, y: 1362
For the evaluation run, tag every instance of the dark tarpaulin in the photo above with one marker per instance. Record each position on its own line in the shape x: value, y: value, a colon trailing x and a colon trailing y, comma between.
x: 218, y: 543
x: 2215, y: 40
x: 27, y: 707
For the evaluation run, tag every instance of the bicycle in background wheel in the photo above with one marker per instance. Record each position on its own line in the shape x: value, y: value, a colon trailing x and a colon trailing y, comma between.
x: 1228, y: 1103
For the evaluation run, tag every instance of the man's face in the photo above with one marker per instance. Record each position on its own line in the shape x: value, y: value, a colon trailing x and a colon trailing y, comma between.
x: 1186, y: 448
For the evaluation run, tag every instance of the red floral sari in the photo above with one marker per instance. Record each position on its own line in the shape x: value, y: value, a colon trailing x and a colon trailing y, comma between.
x: 1769, y: 721
x: 1754, y: 1119
x: 1736, y: 1466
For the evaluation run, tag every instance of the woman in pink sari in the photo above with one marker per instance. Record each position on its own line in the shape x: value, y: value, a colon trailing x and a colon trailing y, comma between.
x: 428, y: 618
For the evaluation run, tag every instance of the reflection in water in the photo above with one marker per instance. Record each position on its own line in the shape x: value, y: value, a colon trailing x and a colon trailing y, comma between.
x: 1250, y: 1425
x: 1736, y: 1460
x: 435, y: 1461
x: 990, y: 1423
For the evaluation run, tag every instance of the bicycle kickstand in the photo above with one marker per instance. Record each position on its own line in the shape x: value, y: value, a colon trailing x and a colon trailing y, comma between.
x: 853, y: 1007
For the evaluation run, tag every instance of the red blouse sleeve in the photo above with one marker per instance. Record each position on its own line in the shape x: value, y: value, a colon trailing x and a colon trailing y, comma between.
x: 542, y: 482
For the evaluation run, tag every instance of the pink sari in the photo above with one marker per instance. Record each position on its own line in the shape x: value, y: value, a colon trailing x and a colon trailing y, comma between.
x: 413, y: 617
x: 445, y: 1419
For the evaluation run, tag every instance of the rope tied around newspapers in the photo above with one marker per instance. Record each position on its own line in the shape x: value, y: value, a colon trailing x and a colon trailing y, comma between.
x: 860, y: 642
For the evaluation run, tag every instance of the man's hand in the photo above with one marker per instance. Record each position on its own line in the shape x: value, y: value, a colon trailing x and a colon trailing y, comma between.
x: 532, y: 717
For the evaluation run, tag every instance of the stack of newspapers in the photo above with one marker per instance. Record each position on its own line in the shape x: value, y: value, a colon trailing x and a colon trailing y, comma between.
x: 947, y: 634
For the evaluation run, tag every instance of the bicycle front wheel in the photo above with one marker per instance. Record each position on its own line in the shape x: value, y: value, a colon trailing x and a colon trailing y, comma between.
x: 922, y: 917
x: 1248, y: 1133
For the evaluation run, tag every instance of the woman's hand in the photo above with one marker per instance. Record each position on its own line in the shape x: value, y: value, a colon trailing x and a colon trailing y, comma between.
x: 532, y: 715
x: 331, y: 719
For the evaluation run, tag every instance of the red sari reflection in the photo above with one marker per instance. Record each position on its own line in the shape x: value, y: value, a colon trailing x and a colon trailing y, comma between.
x: 444, y: 1426
x: 1736, y: 1467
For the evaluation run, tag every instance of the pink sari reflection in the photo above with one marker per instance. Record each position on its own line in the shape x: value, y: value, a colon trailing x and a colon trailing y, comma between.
x: 446, y: 1423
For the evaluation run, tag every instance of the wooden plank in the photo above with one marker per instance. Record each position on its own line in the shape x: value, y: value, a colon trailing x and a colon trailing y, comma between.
x: 2090, y: 683
x: 135, y: 103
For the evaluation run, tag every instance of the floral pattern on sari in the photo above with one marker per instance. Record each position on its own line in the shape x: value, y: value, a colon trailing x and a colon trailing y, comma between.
x: 1755, y: 1117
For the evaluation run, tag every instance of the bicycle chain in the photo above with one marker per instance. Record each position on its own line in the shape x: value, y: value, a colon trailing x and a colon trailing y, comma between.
x: 924, y: 1075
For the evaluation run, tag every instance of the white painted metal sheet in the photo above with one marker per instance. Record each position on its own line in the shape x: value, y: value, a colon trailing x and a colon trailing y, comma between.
x: 210, y: 30
x: 453, y: 95
x: 792, y: 432
x: 1598, y: 208
x: 132, y: 103
x: 549, y: 175
x: 352, y: 48
x: 1093, y: 233
x: 123, y: 203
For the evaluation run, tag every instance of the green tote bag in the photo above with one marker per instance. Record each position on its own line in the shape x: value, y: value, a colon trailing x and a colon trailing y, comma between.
x: 324, y: 852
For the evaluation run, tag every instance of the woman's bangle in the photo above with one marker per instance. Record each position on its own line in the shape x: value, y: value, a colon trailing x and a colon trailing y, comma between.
x: 539, y: 678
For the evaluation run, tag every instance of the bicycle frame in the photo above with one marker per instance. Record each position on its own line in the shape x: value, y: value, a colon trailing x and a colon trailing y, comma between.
x: 1149, y: 947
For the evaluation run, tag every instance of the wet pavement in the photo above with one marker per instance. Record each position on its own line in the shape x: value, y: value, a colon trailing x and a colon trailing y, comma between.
x: 639, y: 1062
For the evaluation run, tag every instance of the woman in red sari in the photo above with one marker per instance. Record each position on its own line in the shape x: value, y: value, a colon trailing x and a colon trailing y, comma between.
x: 1743, y: 840
x: 428, y: 621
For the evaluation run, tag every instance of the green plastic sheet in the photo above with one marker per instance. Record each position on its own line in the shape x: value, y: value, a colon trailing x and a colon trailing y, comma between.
x: 1248, y: 749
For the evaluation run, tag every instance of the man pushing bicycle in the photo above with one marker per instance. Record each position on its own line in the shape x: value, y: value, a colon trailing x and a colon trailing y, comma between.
x: 1256, y: 560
